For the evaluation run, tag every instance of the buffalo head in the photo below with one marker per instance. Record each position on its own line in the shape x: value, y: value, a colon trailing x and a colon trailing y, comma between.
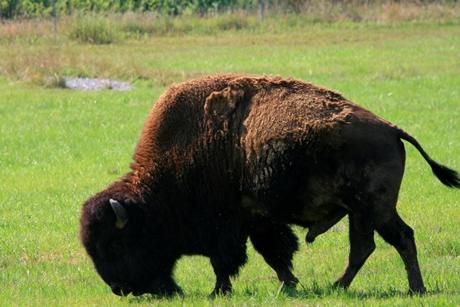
x: 130, y: 255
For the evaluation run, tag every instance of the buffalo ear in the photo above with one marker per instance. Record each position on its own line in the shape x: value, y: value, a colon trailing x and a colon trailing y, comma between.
x: 120, y: 213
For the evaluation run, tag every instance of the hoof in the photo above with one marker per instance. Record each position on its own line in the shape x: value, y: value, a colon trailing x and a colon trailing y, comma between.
x: 289, y: 289
x: 291, y: 283
x: 339, y: 285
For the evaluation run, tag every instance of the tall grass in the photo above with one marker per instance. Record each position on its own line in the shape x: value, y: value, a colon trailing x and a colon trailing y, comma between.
x: 135, y: 25
x: 93, y: 29
x: 30, y: 30
x: 39, y: 55
x: 141, y: 25
x: 109, y: 28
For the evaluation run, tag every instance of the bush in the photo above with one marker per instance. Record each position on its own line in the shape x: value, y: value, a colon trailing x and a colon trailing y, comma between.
x: 232, y: 22
x: 93, y: 30
x: 141, y: 25
x: 138, y: 24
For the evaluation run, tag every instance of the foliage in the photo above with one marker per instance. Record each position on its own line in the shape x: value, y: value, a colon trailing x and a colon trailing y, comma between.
x: 106, y: 28
x: 29, y: 8
x: 38, y: 8
x: 93, y: 29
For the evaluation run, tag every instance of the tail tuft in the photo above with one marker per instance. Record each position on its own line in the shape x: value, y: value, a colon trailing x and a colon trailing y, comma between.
x: 446, y: 175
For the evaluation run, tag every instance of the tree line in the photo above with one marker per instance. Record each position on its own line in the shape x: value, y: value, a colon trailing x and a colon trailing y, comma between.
x: 39, y: 8
x: 45, y: 8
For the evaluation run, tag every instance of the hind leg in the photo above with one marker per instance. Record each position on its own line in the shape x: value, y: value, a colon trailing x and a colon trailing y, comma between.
x: 397, y: 233
x: 361, y: 234
x: 277, y: 244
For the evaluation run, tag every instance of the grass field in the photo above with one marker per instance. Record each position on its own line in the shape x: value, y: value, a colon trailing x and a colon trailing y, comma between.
x: 58, y: 146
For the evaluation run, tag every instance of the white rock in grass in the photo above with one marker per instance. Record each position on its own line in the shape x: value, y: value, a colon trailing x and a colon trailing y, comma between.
x: 88, y: 84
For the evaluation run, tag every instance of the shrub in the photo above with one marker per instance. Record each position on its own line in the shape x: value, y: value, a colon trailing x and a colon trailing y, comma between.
x: 232, y: 22
x: 93, y: 30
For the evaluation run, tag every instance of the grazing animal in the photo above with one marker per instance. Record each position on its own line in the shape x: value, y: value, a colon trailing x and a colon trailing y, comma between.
x: 225, y: 158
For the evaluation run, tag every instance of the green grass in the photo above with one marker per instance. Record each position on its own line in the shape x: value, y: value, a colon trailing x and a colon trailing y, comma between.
x: 59, y: 146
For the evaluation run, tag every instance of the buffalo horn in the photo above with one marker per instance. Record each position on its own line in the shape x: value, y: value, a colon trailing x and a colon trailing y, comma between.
x: 120, y: 213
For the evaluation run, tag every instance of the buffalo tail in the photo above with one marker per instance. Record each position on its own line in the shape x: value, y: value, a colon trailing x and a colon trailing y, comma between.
x: 446, y: 175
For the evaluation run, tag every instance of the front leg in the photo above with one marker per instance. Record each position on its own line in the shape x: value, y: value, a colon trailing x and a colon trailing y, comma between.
x: 223, y: 284
x: 227, y: 265
x: 227, y: 262
x: 227, y: 250
x: 277, y: 244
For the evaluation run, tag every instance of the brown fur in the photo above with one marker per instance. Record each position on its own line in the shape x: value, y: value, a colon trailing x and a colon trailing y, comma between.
x: 228, y: 157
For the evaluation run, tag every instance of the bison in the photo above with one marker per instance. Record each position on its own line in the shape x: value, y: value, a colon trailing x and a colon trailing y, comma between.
x: 225, y: 158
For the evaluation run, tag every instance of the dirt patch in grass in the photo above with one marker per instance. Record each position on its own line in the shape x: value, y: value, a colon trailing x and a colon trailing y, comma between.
x: 91, y: 84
